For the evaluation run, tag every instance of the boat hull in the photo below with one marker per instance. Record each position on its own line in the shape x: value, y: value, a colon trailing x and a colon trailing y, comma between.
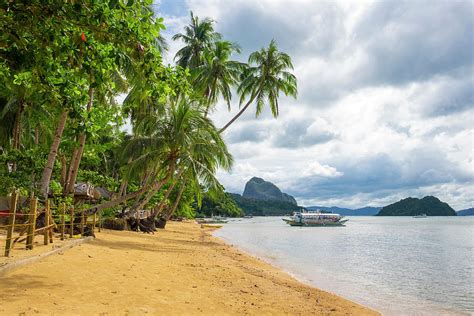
x: 315, y: 224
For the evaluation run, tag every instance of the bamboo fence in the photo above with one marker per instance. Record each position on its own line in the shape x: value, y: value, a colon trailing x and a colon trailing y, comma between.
x: 58, y: 223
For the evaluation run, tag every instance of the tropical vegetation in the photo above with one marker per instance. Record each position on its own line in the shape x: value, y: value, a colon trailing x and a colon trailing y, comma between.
x: 65, y: 66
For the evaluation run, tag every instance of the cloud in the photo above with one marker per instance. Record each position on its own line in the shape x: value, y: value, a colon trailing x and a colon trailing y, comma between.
x: 385, y: 107
x: 318, y: 170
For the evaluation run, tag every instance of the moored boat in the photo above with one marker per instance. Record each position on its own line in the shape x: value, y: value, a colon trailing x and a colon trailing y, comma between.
x: 212, y: 220
x: 420, y: 216
x: 315, y: 218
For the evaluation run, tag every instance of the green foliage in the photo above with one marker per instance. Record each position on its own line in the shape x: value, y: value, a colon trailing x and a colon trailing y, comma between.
x: 222, y: 204
x: 264, y: 208
x: 31, y: 162
x: 73, y: 59
x: 428, y: 205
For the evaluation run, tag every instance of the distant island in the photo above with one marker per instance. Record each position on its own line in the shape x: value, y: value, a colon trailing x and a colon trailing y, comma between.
x: 428, y: 205
x: 263, y: 198
x: 466, y: 212
x: 259, y: 189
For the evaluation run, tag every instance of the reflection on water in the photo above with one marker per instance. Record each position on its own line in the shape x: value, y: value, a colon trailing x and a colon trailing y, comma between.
x: 397, y: 265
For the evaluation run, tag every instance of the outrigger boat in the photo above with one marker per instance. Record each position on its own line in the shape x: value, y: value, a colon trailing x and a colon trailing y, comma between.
x: 315, y: 218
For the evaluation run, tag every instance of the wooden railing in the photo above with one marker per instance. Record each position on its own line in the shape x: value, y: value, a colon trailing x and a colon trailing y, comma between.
x: 22, y: 225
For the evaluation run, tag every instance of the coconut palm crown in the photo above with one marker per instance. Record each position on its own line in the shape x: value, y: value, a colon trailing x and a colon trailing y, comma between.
x: 267, y: 76
x: 217, y: 74
x: 197, y: 37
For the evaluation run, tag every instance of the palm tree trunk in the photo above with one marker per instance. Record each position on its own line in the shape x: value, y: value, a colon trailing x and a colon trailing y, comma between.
x: 17, y: 131
x: 124, y: 184
x: 63, y: 171
x: 53, y: 151
x: 139, y: 204
x: 109, y: 204
x: 37, y: 132
x: 75, y: 161
x: 74, y: 168
x: 157, y: 210
x: 123, y: 188
x: 69, y: 171
x: 176, y: 202
x: 17, y: 127
x: 237, y: 115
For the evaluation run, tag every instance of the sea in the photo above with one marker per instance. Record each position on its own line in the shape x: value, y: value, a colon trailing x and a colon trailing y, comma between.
x: 396, y: 265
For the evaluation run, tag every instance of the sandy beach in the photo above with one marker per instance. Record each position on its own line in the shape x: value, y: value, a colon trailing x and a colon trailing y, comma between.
x: 182, y: 270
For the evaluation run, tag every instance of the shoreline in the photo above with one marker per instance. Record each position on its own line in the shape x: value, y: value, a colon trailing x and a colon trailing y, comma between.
x: 180, y: 270
x: 299, y: 278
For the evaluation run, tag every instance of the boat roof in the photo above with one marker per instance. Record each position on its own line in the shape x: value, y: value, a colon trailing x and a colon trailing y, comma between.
x: 317, y: 213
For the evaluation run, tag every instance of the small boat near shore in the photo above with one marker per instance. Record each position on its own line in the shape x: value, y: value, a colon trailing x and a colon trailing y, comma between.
x: 315, y: 219
x: 420, y: 216
x: 212, y: 220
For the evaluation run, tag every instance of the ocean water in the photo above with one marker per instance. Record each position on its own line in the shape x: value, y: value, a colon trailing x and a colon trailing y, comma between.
x: 397, y: 265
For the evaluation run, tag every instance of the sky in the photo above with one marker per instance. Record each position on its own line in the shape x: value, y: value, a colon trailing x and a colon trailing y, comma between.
x: 385, y: 108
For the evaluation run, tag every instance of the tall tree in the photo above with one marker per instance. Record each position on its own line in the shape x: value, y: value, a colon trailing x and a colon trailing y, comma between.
x: 197, y: 37
x: 182, y: 138
x: 267, y: 75
x: 217, y: 74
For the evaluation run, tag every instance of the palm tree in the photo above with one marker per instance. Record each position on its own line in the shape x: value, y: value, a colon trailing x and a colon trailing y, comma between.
x: 217, y: 74
x: 264, y: 81
x: 182, y: 138
x: 197, y: 37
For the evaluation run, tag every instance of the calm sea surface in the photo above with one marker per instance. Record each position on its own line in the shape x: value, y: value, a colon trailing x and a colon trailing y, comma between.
x: 397, y: 265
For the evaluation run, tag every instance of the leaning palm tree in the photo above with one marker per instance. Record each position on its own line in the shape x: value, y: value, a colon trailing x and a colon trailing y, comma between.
x: 198, y: 167
x: 218, y: 74
x: 263, y: 82
x: 181, y: 133
x: 197, y: 37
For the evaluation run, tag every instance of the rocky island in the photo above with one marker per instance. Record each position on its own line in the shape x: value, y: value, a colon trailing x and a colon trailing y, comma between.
x: 428, y: 205
x: 263, y: 198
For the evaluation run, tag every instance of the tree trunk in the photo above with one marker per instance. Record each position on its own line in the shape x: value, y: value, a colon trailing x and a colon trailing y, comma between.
x: 75, y: 162
x: 53, y: 151
x: 17, y: 127
x: 124, y: 184
x: 63, y: 171
x: 123, y: 188
x: 74, y: 168
x: 140, y: 203
x: 37, y: 132
x: 68, y: 171
x: 17, y: 131
x: 109, y: 204
x: 237, y: 115
x: 176, y: 202
x: 157, y: 210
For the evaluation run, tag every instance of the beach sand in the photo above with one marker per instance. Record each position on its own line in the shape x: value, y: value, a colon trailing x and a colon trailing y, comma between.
x: 182, y: 270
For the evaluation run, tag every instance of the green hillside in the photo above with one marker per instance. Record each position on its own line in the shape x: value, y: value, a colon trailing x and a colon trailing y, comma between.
x: 428, y: 205
x: 264, y: 208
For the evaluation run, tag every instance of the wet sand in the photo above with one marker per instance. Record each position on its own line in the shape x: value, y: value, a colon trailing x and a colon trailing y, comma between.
x: 182, y: 270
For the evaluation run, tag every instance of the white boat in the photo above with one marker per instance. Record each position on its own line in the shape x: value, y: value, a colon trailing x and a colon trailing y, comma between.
x: 315, y: 218
x: 420, y: 216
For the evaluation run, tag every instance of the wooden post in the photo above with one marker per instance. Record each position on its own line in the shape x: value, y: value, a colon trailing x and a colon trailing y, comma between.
x: 51, y: 223
x: 100, y: 221
x: 93, y: 222
x: 71, y: 214
x: 82, y: 224
x: 63, y: 219
x: 32, y: 219
x: 11, y: 223
x: 46, y: 222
